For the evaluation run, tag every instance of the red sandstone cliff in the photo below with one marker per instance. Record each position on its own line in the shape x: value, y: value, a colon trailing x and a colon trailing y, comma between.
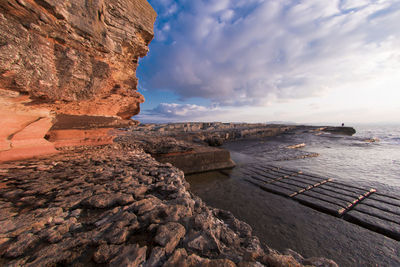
x: 60, y: 59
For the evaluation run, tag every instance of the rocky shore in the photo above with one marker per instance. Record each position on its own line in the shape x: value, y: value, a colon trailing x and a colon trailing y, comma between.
x: 116, y: 205
x: 68, y: 81
x: 193, y: 147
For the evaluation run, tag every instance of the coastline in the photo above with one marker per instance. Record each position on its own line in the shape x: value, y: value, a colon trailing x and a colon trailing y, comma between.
x: 116, y: 205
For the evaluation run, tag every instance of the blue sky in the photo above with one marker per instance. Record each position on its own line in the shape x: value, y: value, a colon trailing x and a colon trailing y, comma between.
x: 273, y: 60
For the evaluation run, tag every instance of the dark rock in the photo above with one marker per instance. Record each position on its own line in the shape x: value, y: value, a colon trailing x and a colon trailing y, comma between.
x: 24, y: 242
x: 201, y: 159
x: 294, y: 254
x: 145, y: 205
x: 177, y: 259
x: 117, y: 235
x: 105, y: 252
x: 169, y: 235
x: 156, y: 257
x: 107, y: 200
x: 340, y: 130
x: 249, y: 264
x: 219, y: 263
x: 319, y: 262
x: 203, y: 243
x: 131, y: 255
x: 277, y: 260
x: 215, y: 141
x: 109, y: 229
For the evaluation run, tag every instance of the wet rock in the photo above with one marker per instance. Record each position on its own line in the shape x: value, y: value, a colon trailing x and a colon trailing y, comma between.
x: 250, y: 264
x: 319, y: 262
x: 296, y: 146
x: 169, y: 235
x: 294, y: 254
x: 277, y: 260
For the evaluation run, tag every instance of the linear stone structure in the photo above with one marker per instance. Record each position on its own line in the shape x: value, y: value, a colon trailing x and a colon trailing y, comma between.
x: 362, y: 206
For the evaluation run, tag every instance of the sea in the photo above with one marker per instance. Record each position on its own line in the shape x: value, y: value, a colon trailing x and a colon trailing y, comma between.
x: 368, y: 159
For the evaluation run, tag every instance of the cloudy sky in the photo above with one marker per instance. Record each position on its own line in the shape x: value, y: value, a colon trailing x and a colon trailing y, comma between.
x: 273, y: 60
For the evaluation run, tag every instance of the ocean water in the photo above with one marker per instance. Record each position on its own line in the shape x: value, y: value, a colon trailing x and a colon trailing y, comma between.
x: 282, y: 223
x: 370, y: 158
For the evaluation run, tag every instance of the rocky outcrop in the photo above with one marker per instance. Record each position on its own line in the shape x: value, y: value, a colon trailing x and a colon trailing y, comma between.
x: 68, y: 57
x: 212, y: 133
x: 340, y: 130
x: 117, y: 206
x: 189, y: 157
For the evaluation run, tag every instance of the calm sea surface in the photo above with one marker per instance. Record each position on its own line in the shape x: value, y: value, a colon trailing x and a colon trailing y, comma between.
x: 282, y: 223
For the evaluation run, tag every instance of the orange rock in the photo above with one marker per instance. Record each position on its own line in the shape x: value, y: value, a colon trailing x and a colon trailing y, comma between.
x: 22, y: 128
x: 93, y: 137
x: 64, y: 57
x: 29, y: 142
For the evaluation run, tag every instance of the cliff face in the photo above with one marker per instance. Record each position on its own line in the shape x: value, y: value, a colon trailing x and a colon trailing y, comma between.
x: 69, y: 57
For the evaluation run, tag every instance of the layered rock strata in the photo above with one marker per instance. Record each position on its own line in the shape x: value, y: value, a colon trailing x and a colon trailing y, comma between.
x: 190, y: 146
x: 117, y: 206
x: 68, y: 57
x: 212, y: 133
x: 189, y: 157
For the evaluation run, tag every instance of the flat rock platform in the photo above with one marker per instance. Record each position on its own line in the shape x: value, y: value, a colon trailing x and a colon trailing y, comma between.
x: 365, y: 207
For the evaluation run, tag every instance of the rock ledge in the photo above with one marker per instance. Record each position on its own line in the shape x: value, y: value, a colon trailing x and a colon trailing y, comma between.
x: 116, y: 205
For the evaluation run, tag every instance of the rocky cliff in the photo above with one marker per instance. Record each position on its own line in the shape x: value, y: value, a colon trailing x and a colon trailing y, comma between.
x: 62, y: 59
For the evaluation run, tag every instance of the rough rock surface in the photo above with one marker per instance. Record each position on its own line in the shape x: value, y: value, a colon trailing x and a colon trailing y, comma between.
x: 191, y: 146
x: 210, y: 133
x: 68, y: 57
x: 115, y: 205
x: 188, y: 156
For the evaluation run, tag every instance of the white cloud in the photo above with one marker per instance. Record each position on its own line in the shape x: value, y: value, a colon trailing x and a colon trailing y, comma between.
x: 173, y: 112
x: 183, y: 110
x: 262, y: 51
x: 350, y: 4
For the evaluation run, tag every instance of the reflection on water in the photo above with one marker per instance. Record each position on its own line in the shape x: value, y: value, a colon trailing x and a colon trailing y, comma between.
x: 282, y: 223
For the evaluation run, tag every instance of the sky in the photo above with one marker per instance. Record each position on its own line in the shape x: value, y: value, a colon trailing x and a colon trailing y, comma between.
x: 303, y: 61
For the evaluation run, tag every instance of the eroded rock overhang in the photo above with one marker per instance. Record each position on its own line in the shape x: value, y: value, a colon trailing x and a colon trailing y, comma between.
x: 68, y: 67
